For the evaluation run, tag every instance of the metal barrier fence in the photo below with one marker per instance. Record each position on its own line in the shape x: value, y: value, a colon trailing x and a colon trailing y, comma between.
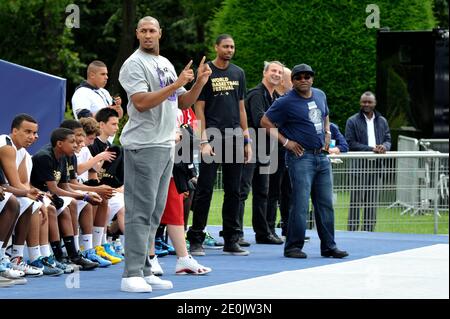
x: 394, y: 192
x: 435, y: 144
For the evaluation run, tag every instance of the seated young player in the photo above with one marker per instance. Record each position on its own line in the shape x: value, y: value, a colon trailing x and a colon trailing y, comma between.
x: 49, y: 174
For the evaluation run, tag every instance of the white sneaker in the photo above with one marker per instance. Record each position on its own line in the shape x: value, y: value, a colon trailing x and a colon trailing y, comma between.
x: 189, y: 266
x: 12, y: 273
x: 156, y: 267
x: 7, y: 269
x: 158, y: 283
x: 19, y: 264
x: 135, y: 284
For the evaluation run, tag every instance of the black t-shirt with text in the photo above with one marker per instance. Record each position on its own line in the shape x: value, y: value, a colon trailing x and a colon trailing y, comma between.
x: 46, y: 168
x: 222, y: 93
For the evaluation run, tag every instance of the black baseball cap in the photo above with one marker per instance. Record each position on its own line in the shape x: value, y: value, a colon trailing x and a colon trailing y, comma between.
x: 301, y: 68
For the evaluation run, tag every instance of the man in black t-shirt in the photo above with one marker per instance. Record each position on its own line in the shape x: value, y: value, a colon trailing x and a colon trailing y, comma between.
x: 49, y: 174
x: 220, y: 106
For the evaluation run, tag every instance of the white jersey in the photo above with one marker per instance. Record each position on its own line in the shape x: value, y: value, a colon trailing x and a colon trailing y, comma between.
x: 90, y: 99
x: 20, y: 154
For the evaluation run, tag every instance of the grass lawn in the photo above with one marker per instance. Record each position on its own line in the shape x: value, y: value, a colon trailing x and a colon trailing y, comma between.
x: 388, y: 219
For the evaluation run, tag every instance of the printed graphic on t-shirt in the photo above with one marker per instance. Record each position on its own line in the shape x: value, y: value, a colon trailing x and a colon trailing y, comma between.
x: 70, y: 170
x: 57, y: 176
x: 222, y: 85
x: 315, y: 116
x: 165, y: 79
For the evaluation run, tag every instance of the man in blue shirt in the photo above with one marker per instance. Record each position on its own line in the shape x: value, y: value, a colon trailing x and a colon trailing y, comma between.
x: 301, y: 117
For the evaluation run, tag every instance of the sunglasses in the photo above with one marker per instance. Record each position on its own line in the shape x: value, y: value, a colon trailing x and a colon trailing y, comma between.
x: 302, y: 76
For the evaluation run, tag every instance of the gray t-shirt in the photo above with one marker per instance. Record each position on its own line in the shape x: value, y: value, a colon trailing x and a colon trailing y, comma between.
x: 156, y: 127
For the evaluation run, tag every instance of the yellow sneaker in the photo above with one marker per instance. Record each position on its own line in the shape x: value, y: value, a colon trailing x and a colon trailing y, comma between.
x: 100, y: 250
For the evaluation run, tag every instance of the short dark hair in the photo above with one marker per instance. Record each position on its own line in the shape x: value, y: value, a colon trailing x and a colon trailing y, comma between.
x: 71, y: 124
x: 60, y: 134
x: 19, y: 119
x: 222, y: 37
x: 95, y: 65
x: 104, y: 114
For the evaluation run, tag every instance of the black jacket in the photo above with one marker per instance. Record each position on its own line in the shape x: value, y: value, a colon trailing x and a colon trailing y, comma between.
x: 356, y: 132
x: 257, y: 102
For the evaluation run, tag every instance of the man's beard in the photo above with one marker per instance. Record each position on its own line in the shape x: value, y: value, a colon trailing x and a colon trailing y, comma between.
x: 302, y: 91
x: 154, y: 50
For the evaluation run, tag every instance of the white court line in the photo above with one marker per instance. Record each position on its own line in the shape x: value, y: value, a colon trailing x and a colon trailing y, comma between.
x: 421, y: 273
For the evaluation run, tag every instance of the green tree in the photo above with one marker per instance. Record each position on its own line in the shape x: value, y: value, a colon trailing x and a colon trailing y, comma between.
x: 331, y: 36
x: 107, y: 31
x: 34, y: 34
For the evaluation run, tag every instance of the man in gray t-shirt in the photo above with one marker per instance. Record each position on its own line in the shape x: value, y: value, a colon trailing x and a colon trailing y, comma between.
x: 154, y: 93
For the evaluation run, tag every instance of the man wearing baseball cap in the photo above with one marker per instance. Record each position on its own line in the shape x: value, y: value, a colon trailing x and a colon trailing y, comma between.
x: 301, y: 117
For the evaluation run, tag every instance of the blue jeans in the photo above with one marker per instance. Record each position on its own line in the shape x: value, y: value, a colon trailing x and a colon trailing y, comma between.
x: 310, y: 175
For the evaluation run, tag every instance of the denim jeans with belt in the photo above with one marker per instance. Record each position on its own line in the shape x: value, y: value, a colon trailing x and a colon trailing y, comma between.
x: 310, y: 176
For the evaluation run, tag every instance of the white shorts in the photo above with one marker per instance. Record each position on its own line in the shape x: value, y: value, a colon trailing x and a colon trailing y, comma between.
x: 4, y: 201
x: 47, y: 201
x: 37, y: 206
x: 67, y: 201
x: 25, y: 203
x: 80, y: 203
x: 115, y: 203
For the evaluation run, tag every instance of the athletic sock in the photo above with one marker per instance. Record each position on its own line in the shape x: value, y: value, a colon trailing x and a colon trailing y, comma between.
x: 69, y: 242
x: 57, y: 250
x: 34, y: 253
x: 86, y: 240
x: 45, y: 250
x: 97, y: 234
x: 160, y: 231
x: 76, y: 240
x: 104, y: 239
x: 17, y: 250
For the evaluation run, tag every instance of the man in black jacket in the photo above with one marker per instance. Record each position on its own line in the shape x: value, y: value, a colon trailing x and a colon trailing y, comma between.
x: 366, y: 131
x: 257, y: 102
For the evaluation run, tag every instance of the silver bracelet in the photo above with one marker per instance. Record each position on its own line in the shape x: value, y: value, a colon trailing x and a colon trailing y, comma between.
x: 285, y: 143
